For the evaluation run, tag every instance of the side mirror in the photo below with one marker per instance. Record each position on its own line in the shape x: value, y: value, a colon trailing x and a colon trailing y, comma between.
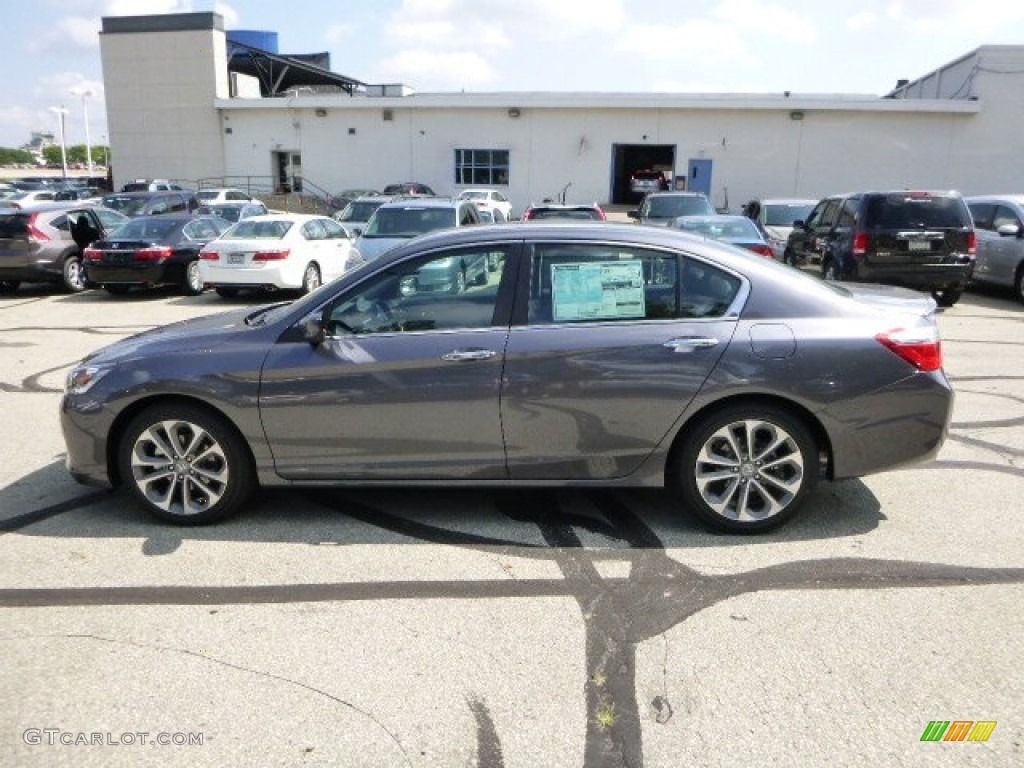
x: 314, y: 328
x: 1009, y: 230
x: 634, y: 213
x: 799, y: 224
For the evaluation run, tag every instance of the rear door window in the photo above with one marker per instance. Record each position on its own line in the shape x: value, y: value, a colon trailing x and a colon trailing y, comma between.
x: 13, y: 226
x: 982, y: 214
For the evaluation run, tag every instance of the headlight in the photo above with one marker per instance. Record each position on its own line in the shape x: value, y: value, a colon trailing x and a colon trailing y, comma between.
x: 80, y: 380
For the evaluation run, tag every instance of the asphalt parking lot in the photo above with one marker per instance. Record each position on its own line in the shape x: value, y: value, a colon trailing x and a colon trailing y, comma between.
x: 511, y: 628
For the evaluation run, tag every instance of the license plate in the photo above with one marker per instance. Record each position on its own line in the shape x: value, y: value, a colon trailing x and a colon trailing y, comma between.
x: 236, y: 258
x: 920, y: 245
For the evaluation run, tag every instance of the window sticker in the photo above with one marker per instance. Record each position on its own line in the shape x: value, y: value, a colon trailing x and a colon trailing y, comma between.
x: 603, y: 290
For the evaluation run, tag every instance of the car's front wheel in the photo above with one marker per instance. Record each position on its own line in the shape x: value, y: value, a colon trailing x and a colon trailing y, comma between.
x: 746, y: 468
x: 9, y: 286
x: 186, y: 465
x: 1018, y: 284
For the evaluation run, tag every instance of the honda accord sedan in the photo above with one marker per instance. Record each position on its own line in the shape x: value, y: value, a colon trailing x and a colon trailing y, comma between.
x: 593, y: 355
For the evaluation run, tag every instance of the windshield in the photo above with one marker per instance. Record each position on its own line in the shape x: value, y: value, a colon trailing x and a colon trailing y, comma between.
x: 409, y: 221
x: 671, y: 207
x: 129, y: 206
x: 252, y: 229
x: 783, y: 215
x: 359, y: 210
x: 227, y: 212
x: 471, y: 195
x: 207, y: 194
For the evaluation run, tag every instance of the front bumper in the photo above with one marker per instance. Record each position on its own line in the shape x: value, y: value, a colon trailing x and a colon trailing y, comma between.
x: 85, y: 424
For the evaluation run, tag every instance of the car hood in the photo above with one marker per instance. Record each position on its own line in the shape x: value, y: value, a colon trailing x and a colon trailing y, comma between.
x: 891, y: 297
x: 196, y: 334
x: 372, y: 247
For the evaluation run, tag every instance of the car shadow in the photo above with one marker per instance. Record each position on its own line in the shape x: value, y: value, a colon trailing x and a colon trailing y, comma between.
x: 510, y: 519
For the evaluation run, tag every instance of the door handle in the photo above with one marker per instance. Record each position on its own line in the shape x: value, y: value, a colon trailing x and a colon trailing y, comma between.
x: 458, y: 355
x: 690, y: 343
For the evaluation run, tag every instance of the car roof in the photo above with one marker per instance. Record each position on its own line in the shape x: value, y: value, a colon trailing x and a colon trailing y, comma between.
x: 148, y: 193
x: 1013, y: 198
x: 51, y: 205
x: 788, y: 200
x: 293, y: 217
x: 676, y: 194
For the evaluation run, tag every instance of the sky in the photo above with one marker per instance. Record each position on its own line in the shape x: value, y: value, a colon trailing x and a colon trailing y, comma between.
x: 51, y: 52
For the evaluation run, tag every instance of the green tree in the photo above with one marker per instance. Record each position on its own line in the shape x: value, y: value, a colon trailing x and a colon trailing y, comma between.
x: 10, y: 156
x: 51, y: 154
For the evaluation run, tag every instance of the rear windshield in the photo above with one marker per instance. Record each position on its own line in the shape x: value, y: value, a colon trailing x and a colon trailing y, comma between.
x: 155, y: 228
x: 672, y: 207
x: 13, y: 225
x: 250, y: 229
x: 916, y: 211
x: 129, y: 206
x: 588, y: 214
x: 409, y: 222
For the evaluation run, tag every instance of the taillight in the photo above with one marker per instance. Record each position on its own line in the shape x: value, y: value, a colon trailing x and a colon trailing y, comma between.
x: 972, y: 243
x: 154, y: 253
x: 34, y: 233
x: 527, y: 215
x: 762, y: 250
x: 209, y: 255
x: 92, y: 254
x: 919, y: 346
x: 601, y: 214
x: 271, y: 255
x: 860, y: 243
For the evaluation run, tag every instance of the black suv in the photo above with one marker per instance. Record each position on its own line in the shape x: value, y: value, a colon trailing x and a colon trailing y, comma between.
x: 918, y: 239
x: 151, y: 203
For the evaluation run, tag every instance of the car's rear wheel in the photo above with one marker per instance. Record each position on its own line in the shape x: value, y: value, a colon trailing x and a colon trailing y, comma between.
x: 789, y: 257
x: 227, y: 293
x: 830, y: 271
x: 186, y: 465
x: 117, y: 290
x: 310, y: 279
x: 1018, y: 283
x: 72, y: 275
x: 193, y: 284
x: 747, y: 468
x: 9, y: 286
x: 947, y: 297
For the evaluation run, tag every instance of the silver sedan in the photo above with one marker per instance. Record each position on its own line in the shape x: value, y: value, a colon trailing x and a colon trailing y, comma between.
x: 587, y: 355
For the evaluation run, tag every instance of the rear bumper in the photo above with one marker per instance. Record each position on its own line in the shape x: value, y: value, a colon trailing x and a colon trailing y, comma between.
x: 928, y: 277
x: 266, y: 275
x: 904, y: 423
x: 131, y: 274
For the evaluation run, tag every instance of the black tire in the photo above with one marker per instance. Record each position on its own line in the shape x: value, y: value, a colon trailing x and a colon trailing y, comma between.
x: 117, y: 290
x: 208, y: 475
x: 310, y: 279
x: 227, y: 293
x: 752, y: 497
x: 947, y: 297
x: 1018, y: 284
x: 9, y: 286
x: 789, y: 257
x: 72, y: 275
x: 829, y: 270
x: 193, y: 283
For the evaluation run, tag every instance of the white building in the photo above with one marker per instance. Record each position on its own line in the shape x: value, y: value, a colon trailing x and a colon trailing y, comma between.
x: 184, y: 102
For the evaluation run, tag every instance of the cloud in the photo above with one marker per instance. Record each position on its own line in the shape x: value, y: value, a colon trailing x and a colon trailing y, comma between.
x: 338, y: 33
x: 860, y: 21
x: 766, y: 19
x: 437, y: 70
x: 707, y: 43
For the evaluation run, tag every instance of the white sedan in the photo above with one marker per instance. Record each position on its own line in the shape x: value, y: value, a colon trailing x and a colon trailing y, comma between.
x: 489, y: 200
x: 288, y: 250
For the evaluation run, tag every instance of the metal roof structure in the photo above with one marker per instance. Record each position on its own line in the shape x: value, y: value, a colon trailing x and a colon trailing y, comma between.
x: 278, y: 74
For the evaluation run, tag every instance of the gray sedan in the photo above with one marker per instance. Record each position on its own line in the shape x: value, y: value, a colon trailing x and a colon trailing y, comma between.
x: 593, y: 355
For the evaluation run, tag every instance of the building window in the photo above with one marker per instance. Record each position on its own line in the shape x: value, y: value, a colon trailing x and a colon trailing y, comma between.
x: 481, y: 166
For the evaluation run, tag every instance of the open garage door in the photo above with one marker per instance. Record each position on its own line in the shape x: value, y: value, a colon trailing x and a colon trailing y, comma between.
x: 627, y: 159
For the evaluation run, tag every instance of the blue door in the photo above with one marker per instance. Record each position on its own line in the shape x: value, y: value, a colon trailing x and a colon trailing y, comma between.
x: 699, y: 176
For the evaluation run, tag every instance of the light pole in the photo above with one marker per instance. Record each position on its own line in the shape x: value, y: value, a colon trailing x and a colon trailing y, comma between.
x: 85, y: 93
x: 61, y: 112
